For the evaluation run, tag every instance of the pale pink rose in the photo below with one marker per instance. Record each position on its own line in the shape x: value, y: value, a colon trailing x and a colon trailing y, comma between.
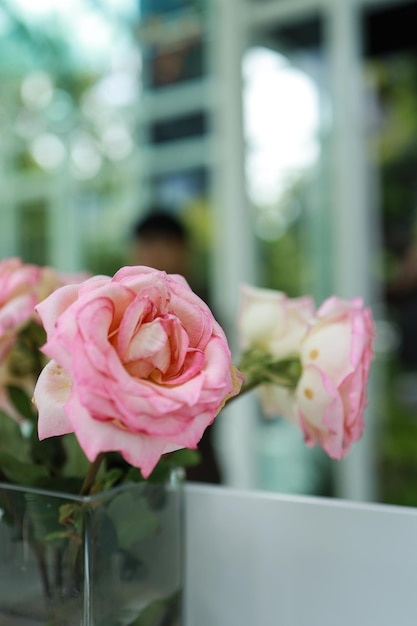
x: 272, y: 322
x: 331, y: 393
x: 139, y: 365
x: 18, y: 297
x: 22, y: 286
x: 335, y: 351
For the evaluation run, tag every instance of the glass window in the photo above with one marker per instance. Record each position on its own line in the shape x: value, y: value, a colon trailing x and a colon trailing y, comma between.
x: 391, y: 75
x: 286, y: 121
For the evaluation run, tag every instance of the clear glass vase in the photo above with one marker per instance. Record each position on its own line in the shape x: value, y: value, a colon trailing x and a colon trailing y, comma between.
x: 111, y: 559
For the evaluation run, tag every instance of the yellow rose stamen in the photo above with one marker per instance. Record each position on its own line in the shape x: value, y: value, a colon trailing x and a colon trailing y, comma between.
x: 309, y: 393
x: 314, y: 353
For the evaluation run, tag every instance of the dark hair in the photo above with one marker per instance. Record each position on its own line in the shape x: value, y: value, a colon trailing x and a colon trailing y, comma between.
x: 160, y: 223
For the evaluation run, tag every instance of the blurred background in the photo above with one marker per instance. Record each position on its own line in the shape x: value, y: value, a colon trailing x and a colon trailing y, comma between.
x: 282, y: 132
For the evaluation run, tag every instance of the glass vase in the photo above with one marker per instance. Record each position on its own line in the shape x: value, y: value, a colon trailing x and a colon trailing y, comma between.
x: 111, y: 559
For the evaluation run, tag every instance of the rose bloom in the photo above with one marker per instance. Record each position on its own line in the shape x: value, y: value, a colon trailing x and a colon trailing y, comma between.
x: 330, y: 397
x: 18, y: 297
x: 139, y: 365
x: 272, y: 322
x: 22, y: 286
x: 336, y: 357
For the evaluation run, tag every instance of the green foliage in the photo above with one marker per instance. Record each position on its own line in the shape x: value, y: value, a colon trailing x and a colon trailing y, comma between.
x: 21, y: 402
x: 51, y: 521
x: 76, y: 463
x: 50, y: 452
x: 19, y: 472
x: 283, y: 263
x: 156, y: 613
x: 394, y: 150
x: 259, y: 366
x: 12, y: 441
x: 101, y: 259
x: 133, y: 520
x: 397, y: 449
x: 168, y: 462
x: 180, y: 458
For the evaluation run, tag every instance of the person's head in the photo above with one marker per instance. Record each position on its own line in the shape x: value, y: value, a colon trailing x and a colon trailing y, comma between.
x: 160, y: 240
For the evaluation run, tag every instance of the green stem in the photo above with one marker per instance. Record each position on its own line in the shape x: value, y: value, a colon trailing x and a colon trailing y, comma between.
x: 246, y: 387
x: 91, y: 474
x: 265, y: 379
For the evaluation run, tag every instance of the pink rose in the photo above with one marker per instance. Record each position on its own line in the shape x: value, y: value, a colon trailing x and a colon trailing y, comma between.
x: 331, y: 393
x: 22, y: 286
x: 272, y: 322
x: 317, y: 363
x: 18, y: 297
x: 139, y: 365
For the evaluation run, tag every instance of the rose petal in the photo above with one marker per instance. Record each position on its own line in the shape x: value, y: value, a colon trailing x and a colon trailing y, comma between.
x: 51, y: 392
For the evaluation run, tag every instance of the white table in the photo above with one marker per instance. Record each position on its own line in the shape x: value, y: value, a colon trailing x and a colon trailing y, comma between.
x: 261, y: 559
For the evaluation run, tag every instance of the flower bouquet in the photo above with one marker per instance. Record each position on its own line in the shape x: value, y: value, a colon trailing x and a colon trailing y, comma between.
x: 126, y: 373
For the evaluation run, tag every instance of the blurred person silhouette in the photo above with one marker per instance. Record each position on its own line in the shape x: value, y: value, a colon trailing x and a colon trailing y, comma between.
x: 162, y: 241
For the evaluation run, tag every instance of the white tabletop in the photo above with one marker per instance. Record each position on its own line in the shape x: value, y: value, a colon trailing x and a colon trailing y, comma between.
x: 266, y: 559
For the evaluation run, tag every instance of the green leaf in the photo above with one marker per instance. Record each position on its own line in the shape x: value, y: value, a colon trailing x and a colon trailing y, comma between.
x: 108, y: 480
x: 21, y: 401
x: 12, y: 441
x: 20, y: 472
x: 71, y: 516
x: 49, y: 452
x: 133, y: 519
x: 61, y: 484
x: 183, y: 458
x: 160, y: 611
x: 134, y: 475
x: 76, y: 463
x: 258, y: 366
x: 43, y: 512
x: 13, y: 506
x: 179, y: 458
x: 121, y: 618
